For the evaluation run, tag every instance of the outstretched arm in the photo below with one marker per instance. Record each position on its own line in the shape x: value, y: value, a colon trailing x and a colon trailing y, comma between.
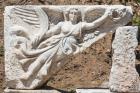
x: 96, y: 23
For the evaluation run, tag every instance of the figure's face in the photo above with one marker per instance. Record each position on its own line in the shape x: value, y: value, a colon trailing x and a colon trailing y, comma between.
x: 73, y: 15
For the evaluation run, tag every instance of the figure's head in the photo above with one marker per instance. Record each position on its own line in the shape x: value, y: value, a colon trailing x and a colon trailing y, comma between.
x: 72, y: 15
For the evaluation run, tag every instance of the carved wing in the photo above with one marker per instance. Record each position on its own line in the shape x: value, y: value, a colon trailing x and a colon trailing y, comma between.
x: 36, y: 19
x: 55, y: 14
x: 39, y: 20
x: 91, y: 14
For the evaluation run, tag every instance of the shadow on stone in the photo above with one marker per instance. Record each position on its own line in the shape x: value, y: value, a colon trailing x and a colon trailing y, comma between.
x: 52, y: 88
x: 138, y: 35
x: 137, y: 51
x: 138, y: 68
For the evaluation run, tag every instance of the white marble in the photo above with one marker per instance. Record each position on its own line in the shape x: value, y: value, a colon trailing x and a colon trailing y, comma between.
x: 93, y: 91
x: 124, y: 77
x: 38, y: 39
x: 30, y: 91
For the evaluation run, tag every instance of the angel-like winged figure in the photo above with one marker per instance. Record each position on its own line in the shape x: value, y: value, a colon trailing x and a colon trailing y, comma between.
x: 41, y: 54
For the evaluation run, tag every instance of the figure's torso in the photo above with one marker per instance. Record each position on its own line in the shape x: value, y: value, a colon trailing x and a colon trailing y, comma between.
x: 71, y: 29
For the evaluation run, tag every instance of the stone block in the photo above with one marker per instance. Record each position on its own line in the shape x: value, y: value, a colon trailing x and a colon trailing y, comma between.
x: 124, y: 77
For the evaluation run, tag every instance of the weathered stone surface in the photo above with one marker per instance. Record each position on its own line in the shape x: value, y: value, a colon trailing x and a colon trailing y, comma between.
x: 38, y: 39
x: 124, y: 77
x: 30, y: 91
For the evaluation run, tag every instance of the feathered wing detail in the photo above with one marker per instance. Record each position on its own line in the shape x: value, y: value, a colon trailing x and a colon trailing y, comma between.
x: 28, y: 15
x: 44, y: 24
x: 35, y: 17
x: 91, y: 14
x: 55, y: 15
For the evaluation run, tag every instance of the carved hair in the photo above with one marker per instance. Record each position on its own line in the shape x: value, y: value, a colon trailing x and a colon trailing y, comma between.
x: 67, y: 12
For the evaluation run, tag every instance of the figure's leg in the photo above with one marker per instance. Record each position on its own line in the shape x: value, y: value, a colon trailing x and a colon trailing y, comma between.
x: 45, y: 70
x: 52, y: 66
x: 35, y: 66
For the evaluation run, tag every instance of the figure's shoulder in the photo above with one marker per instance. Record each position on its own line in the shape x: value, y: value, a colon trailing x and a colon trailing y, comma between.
x: 60, y: 23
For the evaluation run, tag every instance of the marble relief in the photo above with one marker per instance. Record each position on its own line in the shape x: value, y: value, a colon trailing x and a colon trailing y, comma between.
x: 38, y: 39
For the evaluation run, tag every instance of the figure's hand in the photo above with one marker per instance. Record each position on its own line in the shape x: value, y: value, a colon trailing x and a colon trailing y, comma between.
x: 110, y: 12
x: 116, y: 14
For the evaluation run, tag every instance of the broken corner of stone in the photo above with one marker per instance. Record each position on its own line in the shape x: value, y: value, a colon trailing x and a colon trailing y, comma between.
x: 123, y: 76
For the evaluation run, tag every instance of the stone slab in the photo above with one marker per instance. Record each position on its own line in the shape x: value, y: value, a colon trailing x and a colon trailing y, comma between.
x: 93, y: 91
x: 123, y: 76
x: 30, y: 91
